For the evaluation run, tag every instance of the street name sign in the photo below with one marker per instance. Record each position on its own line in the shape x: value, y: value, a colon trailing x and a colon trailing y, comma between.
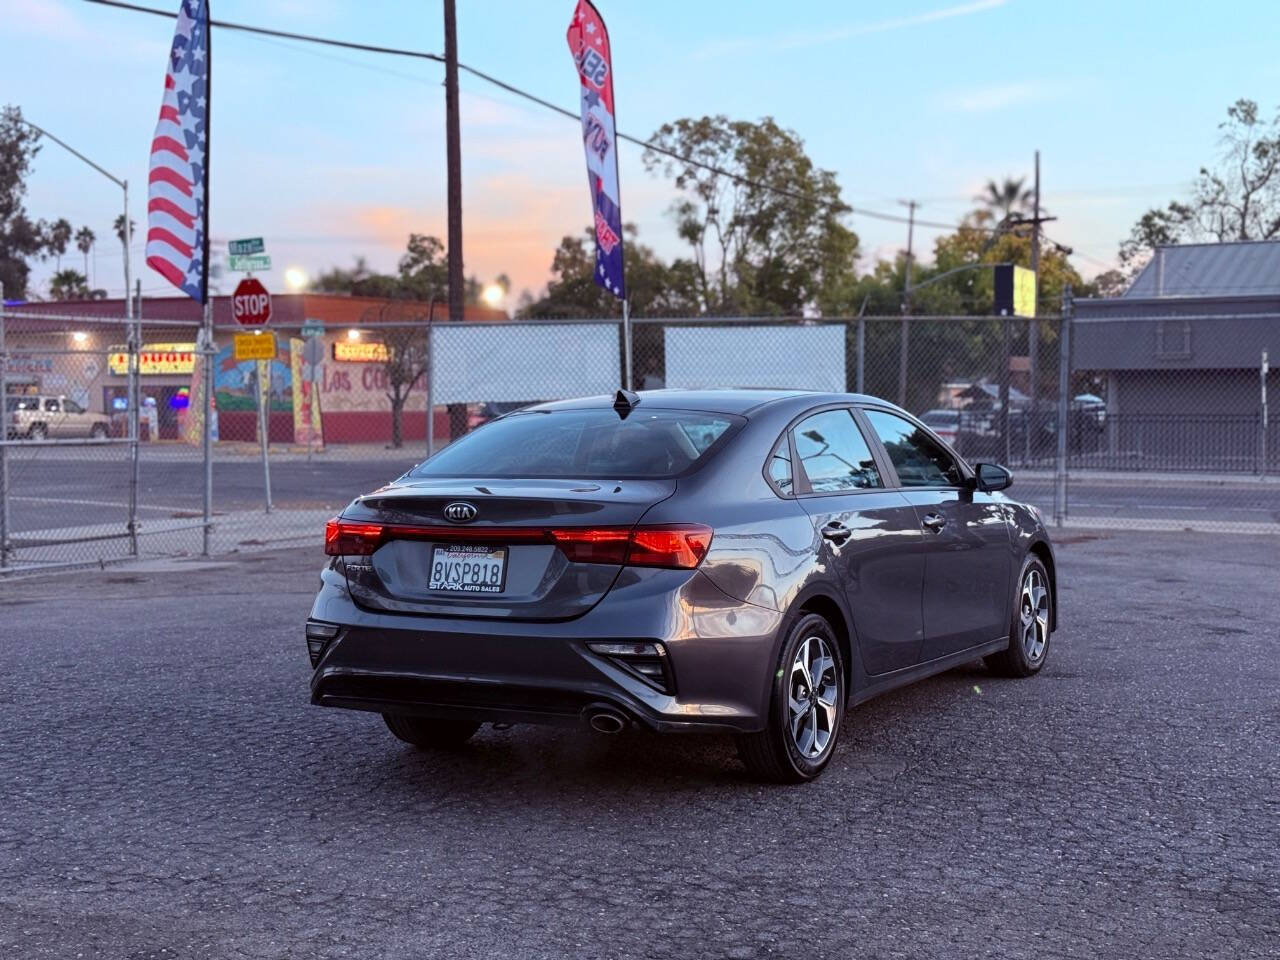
x: 257, y: 261
x: 241, y: 248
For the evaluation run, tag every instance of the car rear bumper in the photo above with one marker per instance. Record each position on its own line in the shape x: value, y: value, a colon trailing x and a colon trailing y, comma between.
x: 528, y: 672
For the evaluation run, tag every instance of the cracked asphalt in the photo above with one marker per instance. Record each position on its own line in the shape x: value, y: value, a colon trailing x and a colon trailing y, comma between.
x: 167, y: 792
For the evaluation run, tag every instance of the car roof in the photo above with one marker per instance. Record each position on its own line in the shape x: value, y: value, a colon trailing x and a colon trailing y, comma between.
x: 735, y: 400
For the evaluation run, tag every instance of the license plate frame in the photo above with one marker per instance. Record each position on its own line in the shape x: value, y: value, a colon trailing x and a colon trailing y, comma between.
x: 461, y: 554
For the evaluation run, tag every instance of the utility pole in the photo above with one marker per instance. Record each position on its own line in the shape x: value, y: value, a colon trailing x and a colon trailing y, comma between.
x: 904, y: 345
x: 453, y: 149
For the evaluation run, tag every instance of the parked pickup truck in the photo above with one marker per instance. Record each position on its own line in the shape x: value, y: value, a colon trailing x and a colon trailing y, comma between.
x: 52, y: 418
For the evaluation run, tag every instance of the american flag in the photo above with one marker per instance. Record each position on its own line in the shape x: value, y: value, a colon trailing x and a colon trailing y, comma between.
x: 176, y: 198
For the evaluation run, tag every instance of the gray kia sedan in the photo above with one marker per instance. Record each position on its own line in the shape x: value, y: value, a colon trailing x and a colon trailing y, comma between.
x: 748, y: 561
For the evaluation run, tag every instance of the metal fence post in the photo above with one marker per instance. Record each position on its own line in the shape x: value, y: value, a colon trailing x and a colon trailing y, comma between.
x: 1064, y: 408
x: 431, y: 385
x: 134, y: 394
x: 1263, y: 370
x: 862, y: 350
x: 4, y: 439
x: 206, y: 356
x: 626, y: 342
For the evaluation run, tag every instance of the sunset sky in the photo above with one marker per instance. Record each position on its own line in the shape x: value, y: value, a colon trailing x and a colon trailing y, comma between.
x: 333, y: 154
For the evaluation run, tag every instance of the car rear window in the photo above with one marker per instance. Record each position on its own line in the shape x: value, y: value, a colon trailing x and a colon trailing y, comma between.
x: 648, y: 444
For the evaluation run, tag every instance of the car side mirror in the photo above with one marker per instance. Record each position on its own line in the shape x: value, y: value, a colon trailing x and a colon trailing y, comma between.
x: 989, y: 477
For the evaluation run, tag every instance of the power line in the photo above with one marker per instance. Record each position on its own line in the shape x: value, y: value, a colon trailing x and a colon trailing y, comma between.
x: 556, y: 108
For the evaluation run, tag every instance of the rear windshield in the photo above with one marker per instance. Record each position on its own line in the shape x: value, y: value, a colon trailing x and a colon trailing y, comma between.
x: 22, y: 403
x: 653, y: 444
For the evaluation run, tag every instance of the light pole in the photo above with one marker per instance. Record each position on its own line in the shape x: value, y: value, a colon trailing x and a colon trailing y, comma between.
x: 123, y: 185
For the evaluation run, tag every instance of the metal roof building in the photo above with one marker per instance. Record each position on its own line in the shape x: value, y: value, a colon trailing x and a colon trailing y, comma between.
x: 1178, y: 356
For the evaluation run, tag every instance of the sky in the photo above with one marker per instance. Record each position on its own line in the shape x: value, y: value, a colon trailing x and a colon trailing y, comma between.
x: 332, y: 154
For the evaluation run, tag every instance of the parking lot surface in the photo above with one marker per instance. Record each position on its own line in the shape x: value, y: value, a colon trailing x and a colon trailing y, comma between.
x: 169, y: 793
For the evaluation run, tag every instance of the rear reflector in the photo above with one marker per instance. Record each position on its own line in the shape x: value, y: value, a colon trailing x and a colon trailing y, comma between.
x: 678, y: 545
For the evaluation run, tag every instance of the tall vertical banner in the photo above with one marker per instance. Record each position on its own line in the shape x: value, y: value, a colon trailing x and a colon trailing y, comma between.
x: 177, y: 188
x: 307, y: 428
x: 589, y: 44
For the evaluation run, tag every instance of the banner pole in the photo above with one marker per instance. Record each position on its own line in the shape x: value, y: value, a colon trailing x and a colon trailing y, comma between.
x: 626, y: 340
x: 206, y: 439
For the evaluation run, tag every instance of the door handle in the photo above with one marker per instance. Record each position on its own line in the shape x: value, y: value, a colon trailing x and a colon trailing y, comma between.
x: 934, y: 522
x: 836, y: 532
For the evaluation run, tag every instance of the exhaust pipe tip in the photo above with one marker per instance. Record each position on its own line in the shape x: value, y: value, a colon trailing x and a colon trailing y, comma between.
x: 606, y: 721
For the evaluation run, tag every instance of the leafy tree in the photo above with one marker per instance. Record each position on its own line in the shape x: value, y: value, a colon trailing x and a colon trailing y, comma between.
x: 60, y: 232
x: 756, y: 250
x: 1007, y: 198
x: 20, y: 237
x: 84, y: 243
x: 70, y: 285
x: 1238, y: 200
x: 422, y: 276
x: 655, y: 289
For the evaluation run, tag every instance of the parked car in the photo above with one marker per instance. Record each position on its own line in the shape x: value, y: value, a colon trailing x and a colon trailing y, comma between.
x: 944, y: 423
x: 53, y: 417
x: 748, y: 561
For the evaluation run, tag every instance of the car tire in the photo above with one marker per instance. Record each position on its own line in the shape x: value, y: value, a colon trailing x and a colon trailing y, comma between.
x: 38, y: 431
x: 98, y: 431
x: 429, y: 733
x: 1030, y: 626
x: 803, y: 724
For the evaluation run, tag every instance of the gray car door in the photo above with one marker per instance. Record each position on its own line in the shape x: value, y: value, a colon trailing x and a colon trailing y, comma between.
x: 967, y: 580
x: 869, y: 534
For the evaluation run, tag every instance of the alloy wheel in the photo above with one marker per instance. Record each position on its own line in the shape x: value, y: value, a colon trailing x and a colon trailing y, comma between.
x: 812, y: 692
x: 1034, y: 615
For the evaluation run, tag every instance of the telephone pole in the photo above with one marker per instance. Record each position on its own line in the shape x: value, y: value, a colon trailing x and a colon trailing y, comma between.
x: 453, y: 151
x: 904, y: 344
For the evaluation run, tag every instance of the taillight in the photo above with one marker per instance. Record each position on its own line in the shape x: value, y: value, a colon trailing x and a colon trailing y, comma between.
x: 343, y: 538
x: 679, y: 546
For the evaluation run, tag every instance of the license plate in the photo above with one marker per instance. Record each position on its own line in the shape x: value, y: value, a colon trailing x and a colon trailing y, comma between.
x: 468, y: 569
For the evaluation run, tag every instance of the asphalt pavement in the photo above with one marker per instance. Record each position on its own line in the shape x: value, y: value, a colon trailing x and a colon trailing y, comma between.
x: 169, y: 793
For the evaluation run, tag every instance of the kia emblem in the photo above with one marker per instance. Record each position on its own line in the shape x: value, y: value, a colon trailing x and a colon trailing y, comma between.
x: 460, y: 512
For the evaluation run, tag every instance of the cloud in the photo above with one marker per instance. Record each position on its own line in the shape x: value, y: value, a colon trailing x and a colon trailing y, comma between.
x: 985, y: 99
x: 810, y: 38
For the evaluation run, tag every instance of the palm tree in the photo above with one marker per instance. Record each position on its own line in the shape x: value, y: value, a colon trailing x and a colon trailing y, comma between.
x: 84, y: 243
x: 69, y: 285
x: 118, y: 226
x: 1007, y: 197
x: 59, y: 237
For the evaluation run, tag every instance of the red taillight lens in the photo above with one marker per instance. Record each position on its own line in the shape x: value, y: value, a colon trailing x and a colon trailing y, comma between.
x: 343, y: 538
x: 681, y: 545
x: 593, y: 545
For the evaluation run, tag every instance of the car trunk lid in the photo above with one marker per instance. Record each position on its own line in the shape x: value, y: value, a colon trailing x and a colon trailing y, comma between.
x: 520, y: 554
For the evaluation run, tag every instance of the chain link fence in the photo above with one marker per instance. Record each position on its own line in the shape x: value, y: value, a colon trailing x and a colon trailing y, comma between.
x: 103, y: 458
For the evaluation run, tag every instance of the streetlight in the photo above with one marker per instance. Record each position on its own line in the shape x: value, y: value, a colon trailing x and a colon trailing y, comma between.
x: 123, y: 185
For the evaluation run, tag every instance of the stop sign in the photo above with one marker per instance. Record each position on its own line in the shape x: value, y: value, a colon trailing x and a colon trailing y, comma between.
x: 251, y: 304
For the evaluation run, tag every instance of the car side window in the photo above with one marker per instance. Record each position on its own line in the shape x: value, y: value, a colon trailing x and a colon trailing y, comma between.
x: 779, y: 467
x: 833, y: 453
x: 51, y: 405
x: 919, y: 460
x: 70, y: 406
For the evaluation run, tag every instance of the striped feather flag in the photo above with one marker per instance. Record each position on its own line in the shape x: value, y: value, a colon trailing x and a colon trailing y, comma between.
x: 177, y: 193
